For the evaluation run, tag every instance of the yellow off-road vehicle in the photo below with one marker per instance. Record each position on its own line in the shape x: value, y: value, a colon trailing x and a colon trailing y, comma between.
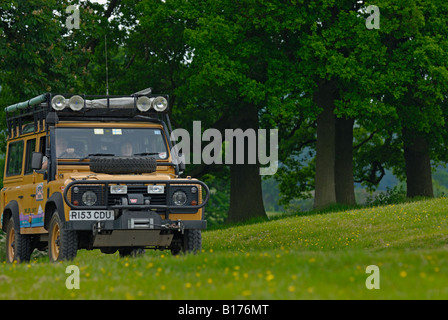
x: 87, y: 172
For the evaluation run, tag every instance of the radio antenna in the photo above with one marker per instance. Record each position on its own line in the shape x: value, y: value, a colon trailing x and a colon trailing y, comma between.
x: 107, y: 69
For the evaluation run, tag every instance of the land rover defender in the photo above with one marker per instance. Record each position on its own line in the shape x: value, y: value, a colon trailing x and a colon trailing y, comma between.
x: 96, y: 172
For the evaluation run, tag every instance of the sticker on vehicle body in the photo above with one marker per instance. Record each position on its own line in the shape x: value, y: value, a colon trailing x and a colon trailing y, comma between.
x: 40, y: 192
x: 25, y: 220
x: 162, y: 155
x: 32, y: 217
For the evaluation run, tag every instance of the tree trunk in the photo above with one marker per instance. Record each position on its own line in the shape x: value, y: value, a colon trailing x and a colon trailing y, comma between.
x: 325, y: 190
x: 344, y: 181
x: 334, y: 181
x: 417, y: 164
x: 246, y: 198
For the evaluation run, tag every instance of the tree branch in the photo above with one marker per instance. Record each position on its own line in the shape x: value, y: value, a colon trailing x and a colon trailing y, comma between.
x: 365, y: 141
x: 112, y: 5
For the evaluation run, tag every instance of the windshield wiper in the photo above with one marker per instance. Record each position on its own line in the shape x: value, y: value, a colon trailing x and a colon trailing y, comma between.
x: 145, y: 154
x: 97, y: 155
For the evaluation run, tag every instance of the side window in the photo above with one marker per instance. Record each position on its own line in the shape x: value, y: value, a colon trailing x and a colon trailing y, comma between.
x: 15, y: 158
x: 42, y: 143
x: 30, y: 148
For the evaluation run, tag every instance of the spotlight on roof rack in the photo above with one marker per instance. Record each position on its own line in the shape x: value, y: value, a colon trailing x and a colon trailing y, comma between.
x: 143, y: 103
x: 159, y: 104
x: 76, y: 103
x: 58, y: 103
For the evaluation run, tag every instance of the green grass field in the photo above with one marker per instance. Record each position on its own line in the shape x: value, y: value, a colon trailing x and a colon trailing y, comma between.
x: 320, y: 256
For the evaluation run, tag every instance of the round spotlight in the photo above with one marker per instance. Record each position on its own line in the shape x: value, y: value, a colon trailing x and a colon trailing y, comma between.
x: 58, y: 103
x: 159, y: 104
x: 76, y: 103
x: 143, y: 103
x: 89, y: 198
x: 179, y: 198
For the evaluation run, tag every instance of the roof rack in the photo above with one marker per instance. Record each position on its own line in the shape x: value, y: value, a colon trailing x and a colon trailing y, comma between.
x: 139, y: 106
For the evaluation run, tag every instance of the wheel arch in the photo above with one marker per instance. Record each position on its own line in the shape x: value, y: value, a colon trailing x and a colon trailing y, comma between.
x: 54, y: 203
x: 11, y: 211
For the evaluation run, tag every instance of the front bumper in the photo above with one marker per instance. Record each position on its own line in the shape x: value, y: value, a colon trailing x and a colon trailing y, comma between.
x: 136, y: 220
x: 136, y: 223
x: 134, y: 229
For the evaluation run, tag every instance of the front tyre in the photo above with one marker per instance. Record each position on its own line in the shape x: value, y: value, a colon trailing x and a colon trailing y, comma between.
x: 62, y: 243
x: 18, y: 246
x: 189, y: 242
x: 192, y: 241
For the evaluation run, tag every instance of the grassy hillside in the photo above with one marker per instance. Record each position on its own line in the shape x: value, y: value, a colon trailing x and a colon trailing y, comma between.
x: 322, y: 256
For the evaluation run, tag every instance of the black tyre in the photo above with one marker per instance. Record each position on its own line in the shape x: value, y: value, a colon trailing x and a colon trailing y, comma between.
x: 121, y: 165
x: 192, y: 241
x: 62, y: 243
x: 189, y: 242
x: 18, y: 246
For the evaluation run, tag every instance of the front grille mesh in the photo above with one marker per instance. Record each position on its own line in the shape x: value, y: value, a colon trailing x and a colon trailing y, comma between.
x: 104, y: 195
x: 110, y: 201
x: 154, y: 199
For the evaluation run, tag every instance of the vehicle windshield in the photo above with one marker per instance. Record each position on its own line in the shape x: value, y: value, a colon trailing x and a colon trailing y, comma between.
x: 81, y: 143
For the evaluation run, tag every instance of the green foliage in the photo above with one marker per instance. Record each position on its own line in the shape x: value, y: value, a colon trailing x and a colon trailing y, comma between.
x: 271, y: 195
x: 376, y: 151
x: 416, y: 72
x: 40, y: 54
x: 215, y: 58
x: 218, y: 205
x: 32, y: 46
x: 394, y: 195
x: 388, y: 79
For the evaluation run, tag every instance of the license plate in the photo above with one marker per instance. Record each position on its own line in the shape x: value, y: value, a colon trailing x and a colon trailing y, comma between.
x: 86, y: 215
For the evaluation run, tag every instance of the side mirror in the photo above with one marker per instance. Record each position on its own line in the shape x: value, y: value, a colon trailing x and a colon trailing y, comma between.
x: 36, y: 160
x: 181, y: 163
x: 181, y: 167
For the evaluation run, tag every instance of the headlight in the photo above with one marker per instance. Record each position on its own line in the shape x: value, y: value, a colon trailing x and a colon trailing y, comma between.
x: 156, y: 189
x: 58, y: 102
x: 179, y: 198
x: 143, y: 103
x: 76, y: 103
x: 119, y: 189
x: 89, y: 198
x: 159, y: 104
